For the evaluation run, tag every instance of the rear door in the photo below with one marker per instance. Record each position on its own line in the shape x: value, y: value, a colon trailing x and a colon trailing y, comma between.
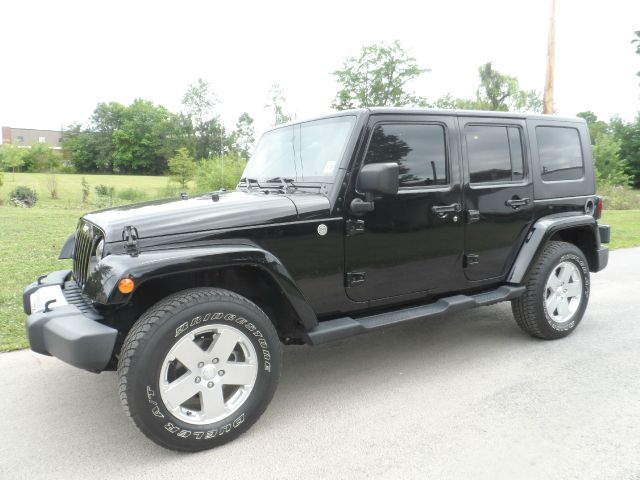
x: 498, y: 194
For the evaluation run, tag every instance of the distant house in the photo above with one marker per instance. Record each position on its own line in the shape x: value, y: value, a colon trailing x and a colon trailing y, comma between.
x: 25, y: 137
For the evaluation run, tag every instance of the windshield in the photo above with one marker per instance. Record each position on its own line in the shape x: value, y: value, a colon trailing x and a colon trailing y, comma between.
x: 309, y: 151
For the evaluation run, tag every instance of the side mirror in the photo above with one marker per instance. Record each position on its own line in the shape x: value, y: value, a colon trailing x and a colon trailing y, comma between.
x: 380, y: 178
x: 375, y: 178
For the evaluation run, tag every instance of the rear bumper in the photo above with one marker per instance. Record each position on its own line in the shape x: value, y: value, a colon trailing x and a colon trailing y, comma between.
x: 72, y: 332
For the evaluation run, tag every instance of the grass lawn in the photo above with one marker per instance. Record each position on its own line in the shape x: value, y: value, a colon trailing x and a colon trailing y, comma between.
x: 30, y: 239
x: 70, y: 189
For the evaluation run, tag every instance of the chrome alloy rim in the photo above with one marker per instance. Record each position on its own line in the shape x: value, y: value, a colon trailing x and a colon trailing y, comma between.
x: 563, y: 292
x: 208, y: 374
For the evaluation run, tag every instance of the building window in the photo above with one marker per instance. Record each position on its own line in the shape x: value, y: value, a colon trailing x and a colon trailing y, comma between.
x: 20, y: 139
x: 42, y: 140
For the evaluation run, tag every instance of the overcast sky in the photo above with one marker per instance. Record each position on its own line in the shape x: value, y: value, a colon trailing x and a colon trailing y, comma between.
x: 61, y: 58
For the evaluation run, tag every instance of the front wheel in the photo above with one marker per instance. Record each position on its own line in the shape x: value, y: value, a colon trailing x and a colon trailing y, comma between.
x: 557, y: 292
x: 199, y: 368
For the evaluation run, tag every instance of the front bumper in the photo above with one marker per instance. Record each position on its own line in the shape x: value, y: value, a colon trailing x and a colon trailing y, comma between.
x: 72, y: 332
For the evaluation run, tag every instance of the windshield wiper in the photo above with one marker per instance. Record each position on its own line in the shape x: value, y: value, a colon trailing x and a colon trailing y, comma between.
x: 285, y: 183
x: 248, y: 182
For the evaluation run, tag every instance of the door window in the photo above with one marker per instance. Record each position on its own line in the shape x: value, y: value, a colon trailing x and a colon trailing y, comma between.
x: 418, y: 149
x: 495, y: 153
x: 560, y: 153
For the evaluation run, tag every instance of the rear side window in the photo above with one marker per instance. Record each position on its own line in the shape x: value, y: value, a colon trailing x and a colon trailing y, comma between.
x: 560, y: 153
x: 419, y: 150
x: 494, y: 153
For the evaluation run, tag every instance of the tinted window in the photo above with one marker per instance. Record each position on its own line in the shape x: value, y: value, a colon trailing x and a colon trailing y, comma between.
x: 494, y: 153
x: 419, y: 150
x: 560, y: 153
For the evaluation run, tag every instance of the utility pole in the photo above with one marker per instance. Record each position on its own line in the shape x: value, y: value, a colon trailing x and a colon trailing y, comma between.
x: 551, y: 58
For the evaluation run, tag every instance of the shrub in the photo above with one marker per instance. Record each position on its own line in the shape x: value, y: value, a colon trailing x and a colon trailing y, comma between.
x: 23, y: 196
x: 131, y: 195
x: 105, y: 195
x: 220, y: 171
x: 171, y: 189
x: 617, y: 197
x: 86, y: 189
x: 105, y: 191
x: 182, y: 168
x: 1, y: 179
x: 52, y: 186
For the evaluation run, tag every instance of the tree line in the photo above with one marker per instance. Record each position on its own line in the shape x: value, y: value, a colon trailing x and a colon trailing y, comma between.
x: 145, y: 138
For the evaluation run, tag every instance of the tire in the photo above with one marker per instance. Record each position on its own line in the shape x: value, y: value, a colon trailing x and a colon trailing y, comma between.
x: 557, y: 292
x: 199, y: 327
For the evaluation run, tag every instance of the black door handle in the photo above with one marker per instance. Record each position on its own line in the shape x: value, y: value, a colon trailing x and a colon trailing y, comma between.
x: 517, y: 202
x: 444, y: 209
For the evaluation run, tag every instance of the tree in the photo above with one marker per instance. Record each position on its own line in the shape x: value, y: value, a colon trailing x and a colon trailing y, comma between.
x: 378, y: 77
x: 596, y: 127
x: 182, y: 168
x: 41, y: 158
x: 628, y: 133
x: 244, y: 135
x: 496, y: 92
x: 610, y: 169
x: 200, y: 101
x: 145, y: 139
x: 12, y: 157
x: 277, y: 101
x: 500, y: 92
x: 637, y: 42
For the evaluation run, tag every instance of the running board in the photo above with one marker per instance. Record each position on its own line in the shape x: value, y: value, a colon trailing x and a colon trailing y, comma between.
x: 338, y: 328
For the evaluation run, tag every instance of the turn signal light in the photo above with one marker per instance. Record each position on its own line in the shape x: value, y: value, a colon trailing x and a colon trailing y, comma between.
x: 126, y: 285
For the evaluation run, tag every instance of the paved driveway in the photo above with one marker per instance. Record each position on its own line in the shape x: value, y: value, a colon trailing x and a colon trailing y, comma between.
x: 463, y: 396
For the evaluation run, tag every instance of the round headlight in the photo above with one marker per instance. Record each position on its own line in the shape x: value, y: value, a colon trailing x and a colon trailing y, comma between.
x: 100, y: 248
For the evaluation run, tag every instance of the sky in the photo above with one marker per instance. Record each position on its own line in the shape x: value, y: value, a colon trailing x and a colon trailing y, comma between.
x: 61, y: 58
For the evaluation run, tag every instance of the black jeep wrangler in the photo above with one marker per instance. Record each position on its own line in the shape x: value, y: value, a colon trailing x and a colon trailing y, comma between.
x: 340, y: 225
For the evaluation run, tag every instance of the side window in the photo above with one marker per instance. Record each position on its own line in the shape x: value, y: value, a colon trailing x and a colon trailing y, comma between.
x: 419, y: 150
x: 494, y: 153
x: 560, y: 153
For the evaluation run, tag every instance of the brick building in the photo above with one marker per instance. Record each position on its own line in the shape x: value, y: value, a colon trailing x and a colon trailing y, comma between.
x: 25, y: 137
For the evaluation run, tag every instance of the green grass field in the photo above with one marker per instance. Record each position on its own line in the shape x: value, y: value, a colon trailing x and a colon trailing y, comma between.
x: 30, y: 239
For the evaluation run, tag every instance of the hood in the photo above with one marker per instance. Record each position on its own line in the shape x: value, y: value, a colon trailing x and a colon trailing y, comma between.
x: 202, y: 213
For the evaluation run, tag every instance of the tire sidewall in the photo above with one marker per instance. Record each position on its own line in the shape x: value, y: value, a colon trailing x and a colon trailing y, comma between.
x: 552, y: 327
x: 145, y: 373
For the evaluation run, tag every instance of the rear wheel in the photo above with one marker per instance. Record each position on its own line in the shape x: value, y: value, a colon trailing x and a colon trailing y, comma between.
x: 199, y: 368
x: 557, y: 292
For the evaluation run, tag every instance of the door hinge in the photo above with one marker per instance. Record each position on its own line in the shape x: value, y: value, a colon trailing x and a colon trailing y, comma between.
x: 471, y: 259
x: 473, y: 216
x: 355, y: 227
x: 355, y: 278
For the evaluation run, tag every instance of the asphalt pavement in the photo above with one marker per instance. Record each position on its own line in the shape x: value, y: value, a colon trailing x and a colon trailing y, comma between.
x: 461, y: 396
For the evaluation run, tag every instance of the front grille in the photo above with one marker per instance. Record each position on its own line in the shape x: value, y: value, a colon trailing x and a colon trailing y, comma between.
x: 84, y: 247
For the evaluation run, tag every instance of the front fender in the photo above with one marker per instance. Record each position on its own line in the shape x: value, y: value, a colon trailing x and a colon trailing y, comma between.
x: 102, y: 282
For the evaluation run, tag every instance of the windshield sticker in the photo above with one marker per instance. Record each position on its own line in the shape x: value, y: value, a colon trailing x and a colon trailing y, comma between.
x: 329, y: 166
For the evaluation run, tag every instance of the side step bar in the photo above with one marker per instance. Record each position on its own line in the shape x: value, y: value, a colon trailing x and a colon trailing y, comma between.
x: 346, y: 326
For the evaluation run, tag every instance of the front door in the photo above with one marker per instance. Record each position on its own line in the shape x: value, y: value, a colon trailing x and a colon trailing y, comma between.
x: 498, y: 194
x: 412, y: 242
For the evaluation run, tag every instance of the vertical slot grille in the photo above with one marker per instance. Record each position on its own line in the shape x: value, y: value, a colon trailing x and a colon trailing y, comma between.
x: 82, y: 253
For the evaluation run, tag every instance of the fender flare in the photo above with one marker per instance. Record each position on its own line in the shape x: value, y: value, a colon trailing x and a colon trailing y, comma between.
x: 540, y: 233
x: 102, y: 281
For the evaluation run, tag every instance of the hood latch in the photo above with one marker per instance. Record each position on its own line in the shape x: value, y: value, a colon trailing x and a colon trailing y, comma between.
x: 130, y: 236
